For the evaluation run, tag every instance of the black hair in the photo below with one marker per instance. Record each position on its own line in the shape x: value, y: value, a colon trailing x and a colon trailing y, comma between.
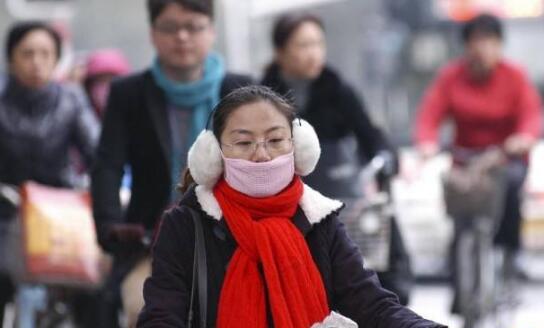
x: 234, y: 100
x: 156, y: 7
x: 288, y: 23
x: 248, y: 95
x: 486, y: 24
x: 19, y: 30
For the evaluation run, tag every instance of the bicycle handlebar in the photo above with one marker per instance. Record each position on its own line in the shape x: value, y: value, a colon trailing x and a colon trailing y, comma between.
x: 380, y: 163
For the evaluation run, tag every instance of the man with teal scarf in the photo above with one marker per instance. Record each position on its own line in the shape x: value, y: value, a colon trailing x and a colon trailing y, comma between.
x: 196, y: 99
x: 151, y: 119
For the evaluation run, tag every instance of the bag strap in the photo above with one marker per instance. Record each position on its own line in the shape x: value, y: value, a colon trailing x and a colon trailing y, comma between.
x: 200, y: 272
x: 190, y: 314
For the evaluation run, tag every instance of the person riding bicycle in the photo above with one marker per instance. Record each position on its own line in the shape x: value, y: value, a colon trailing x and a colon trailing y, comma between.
x: 276, y: 254
x: 348, y: 136
x: 151, y: 119
x: 40, y: 122
x: 491, y: 103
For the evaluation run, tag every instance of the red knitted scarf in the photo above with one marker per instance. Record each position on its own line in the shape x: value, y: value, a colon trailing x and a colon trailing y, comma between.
x: 272, y: 266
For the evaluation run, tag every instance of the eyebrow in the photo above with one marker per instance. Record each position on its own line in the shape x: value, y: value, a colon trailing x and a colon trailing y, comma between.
x: 243, y: 131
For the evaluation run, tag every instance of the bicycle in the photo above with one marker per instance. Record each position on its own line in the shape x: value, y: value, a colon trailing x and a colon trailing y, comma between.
x: 474, y: 189
x: 370, y: 223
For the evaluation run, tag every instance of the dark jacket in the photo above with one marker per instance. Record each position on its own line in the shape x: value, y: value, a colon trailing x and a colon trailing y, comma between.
x: 351, y: 289
x: 38, y: 128
x: 136, y: 132
x: 337, y: 116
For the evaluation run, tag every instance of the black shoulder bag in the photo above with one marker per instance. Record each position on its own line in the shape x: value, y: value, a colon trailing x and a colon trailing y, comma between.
x: 200, y: 272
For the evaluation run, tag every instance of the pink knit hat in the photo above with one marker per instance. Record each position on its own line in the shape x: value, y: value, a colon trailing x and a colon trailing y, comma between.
x: 107, y: 61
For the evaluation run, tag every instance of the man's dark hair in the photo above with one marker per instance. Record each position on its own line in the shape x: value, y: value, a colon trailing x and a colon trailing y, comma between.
x: 288, y: 23
x: 19, y: 30
x: 485, y: 24
x: 156, y: 7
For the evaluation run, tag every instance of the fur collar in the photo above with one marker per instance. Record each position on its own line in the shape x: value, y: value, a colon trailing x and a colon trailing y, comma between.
x: 315, y: 206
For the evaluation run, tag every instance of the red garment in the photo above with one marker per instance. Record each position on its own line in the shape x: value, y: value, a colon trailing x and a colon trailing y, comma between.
x: 485, y: 112
x: 272, y: 268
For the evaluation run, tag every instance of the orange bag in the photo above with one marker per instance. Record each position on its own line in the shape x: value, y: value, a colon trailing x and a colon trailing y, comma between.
x: 58, y: 237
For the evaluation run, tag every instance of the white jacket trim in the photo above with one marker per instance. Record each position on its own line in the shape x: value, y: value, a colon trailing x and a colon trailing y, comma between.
x: 315, y: 206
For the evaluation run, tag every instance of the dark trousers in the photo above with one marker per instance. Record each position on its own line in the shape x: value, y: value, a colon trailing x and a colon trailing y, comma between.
x: 110, y: 295
x: 6, y: 294
x: 509, y: 233
x: 7, y: 289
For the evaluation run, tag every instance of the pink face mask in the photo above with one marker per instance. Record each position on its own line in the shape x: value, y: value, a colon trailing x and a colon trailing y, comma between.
x: 260, y: 179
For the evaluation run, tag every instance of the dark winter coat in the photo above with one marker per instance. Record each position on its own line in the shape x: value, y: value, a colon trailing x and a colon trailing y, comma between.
x: 38, y: 129
x: 351, y: 289
x: 136, y: 132
x: 337, y: 115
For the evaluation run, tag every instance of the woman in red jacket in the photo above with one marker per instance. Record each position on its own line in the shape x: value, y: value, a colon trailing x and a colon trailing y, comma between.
x: 492, y: 104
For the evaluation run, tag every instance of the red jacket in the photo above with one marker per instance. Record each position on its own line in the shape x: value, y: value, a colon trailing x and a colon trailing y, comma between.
x: 484, y: 113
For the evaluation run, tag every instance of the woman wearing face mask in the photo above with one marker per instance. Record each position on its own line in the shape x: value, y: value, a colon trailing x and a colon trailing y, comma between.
x: 277, y: 255
x: 101, y: 67
x: 347, y: 135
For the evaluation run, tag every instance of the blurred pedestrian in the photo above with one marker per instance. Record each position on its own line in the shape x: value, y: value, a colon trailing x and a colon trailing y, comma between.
x: 151, y: 119
x: 101, y: 67
x: 328, y: 103
x: 40, y: 120
x: 492, y: 103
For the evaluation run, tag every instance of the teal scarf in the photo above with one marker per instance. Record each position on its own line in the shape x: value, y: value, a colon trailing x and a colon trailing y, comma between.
x: 199, y: 96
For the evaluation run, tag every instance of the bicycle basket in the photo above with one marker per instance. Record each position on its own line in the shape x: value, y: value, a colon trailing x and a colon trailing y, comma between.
x: 469, y: 193
x: 368, y: 225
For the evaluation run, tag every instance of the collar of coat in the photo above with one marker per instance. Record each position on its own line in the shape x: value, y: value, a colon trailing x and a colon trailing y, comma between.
x: 315, y: 206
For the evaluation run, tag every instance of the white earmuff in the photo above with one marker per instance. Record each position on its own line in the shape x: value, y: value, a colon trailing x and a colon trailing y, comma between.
x: 204, y: 159
x: 307, y: 148
x: 206, y: 163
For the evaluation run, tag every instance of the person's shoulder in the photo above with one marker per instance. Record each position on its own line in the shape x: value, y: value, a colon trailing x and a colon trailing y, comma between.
x: 131, y: 81
x: 187, y: 206
x: 73, y: 97
x: 512, y: 70
x: 232, y: 81
x: 71, y: 89
x: 331, y: 85
x: 452, y: 69
x: 330, y: 77
x: 319, y: 209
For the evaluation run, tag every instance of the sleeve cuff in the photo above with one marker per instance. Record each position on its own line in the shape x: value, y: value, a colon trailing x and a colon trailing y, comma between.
x: 336, y: 320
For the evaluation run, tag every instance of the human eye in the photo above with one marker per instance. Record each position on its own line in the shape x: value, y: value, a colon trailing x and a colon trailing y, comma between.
x: 195, y: 27
x: 27, y: 53
x: 243, y: 146
x: 276, y: 140
x: 167, y: 27
x: 243, y: 143
x: 277, y: 143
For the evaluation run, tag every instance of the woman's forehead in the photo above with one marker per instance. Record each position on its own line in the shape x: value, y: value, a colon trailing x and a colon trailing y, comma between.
x: 262, y: 116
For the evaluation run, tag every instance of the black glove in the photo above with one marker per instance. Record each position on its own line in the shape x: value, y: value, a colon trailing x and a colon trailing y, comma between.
x: 389, y: 170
